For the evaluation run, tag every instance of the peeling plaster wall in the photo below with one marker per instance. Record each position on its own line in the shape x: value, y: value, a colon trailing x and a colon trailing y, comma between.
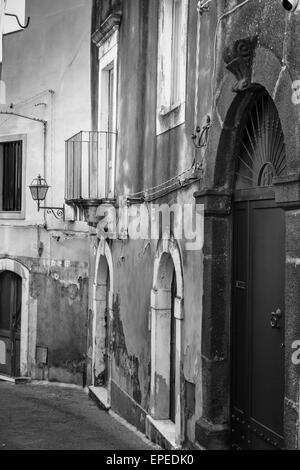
x: 131, y: 338
x: 143, y: 161
x: 61, y: 294
x: 52, y: 54
x: 58, y: 289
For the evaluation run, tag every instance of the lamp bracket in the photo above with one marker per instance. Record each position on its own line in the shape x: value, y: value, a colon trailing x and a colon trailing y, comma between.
x: 58, y: 212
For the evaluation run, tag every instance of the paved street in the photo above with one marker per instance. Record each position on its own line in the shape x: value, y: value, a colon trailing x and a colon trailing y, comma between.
x: 42, y: 417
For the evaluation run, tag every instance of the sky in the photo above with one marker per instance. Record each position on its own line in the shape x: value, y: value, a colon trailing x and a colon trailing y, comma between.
x: 18, y: 8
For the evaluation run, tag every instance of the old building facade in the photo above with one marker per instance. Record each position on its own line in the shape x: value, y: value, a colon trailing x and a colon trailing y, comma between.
x: 195, y: 347
x: 43, y: 260
x: 144, y: 354
x: 183, y: 321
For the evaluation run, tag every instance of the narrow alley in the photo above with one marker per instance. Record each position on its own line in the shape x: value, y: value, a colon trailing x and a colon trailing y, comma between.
x: 48, y: 417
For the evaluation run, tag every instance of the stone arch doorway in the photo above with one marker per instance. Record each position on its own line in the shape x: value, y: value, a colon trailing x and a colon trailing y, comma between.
x: 249, y: 202
x: 17, y: 354
x: 166, y: 401
x: 10, y: 323
x: 102, y: 319
x: 258, y: 282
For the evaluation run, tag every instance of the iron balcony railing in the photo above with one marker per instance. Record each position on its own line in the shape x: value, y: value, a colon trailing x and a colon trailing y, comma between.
x: 90, y: 161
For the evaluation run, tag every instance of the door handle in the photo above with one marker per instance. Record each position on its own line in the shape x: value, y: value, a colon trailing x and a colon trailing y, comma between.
x: 275, y: 319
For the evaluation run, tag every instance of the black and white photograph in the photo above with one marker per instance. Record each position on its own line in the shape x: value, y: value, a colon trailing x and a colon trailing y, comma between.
x: 150, y: 228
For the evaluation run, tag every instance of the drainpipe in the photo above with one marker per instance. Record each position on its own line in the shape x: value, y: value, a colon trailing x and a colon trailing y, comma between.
x: 2, y: 12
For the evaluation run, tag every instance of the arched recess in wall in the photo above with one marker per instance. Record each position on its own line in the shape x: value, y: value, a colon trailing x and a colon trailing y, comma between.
x: 103, y: 288
x: 28, y: 325
x: 167, y: 315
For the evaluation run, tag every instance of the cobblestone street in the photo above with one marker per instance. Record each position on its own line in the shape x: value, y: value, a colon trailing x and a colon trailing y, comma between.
x: 47, y: 417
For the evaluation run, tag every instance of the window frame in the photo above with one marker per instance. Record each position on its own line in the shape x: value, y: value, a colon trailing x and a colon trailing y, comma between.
x: 17, y: 215
x: 108, y: 60
x: 170, y: 114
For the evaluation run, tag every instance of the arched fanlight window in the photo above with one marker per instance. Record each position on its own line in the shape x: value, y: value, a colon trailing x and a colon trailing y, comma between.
x: 261, y: 154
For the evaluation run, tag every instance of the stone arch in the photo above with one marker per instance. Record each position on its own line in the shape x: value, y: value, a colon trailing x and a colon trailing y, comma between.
x: 213, y: 429
x: 167, y: 260
x: 234, y: 127
x: 270, y: 75
x: 102, y: 316
x: 28, y: 338
x: 162, y: 265
x: 104, y: 251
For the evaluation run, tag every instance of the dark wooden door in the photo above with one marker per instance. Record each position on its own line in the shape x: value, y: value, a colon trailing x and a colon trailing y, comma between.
x: 10, y: 323
x: 258, y: 326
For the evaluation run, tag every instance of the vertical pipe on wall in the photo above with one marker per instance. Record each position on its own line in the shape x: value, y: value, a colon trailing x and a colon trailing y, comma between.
x: 45, y: 157
x: 197, y: 69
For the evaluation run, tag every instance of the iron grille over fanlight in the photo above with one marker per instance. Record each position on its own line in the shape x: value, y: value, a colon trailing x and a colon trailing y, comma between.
x: 262, y: 153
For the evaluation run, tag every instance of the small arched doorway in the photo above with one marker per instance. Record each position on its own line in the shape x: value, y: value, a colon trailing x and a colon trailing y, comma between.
x: 102, y: 318
x: 167, y: 316
x: 164, y: 355
x: 101, y: 363
x: 257, y: 397
x: 10, y: 323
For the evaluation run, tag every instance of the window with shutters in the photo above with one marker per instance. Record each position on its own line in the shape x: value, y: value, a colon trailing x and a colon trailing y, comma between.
x: 11, y: 177
x: 107, y: 119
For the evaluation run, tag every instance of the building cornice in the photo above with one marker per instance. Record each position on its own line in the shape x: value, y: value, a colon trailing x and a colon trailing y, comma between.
x: 107, y: 28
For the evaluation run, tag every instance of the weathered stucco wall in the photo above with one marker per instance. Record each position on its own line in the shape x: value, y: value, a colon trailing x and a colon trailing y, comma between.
x: 274, y: 68
x: 52, y: 54
x: 145, y: 160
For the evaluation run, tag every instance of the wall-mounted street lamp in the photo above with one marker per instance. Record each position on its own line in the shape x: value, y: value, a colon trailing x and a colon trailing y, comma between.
x: 39, y: 189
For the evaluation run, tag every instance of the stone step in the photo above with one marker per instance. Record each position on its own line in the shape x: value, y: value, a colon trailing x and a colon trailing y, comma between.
x: 100, y: 396
x: 161, y: 432
x: 15, y: 380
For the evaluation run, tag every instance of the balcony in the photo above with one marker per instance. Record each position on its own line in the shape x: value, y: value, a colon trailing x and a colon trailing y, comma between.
x: 90, y: 170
